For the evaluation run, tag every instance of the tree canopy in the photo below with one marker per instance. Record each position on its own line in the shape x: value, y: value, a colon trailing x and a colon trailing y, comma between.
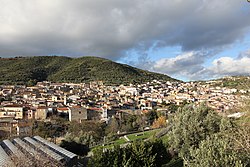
x: 203, y: 138
x: 144, y: 154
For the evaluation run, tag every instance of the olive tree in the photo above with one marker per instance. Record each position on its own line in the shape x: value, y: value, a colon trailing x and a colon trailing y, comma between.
x: 216, y: 150
x: 192, y: 124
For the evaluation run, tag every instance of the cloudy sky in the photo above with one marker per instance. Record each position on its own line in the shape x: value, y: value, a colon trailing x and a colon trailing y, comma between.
x: 186, y: 39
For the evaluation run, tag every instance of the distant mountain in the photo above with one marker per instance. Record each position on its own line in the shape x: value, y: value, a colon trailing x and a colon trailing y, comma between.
x: 29, y: 70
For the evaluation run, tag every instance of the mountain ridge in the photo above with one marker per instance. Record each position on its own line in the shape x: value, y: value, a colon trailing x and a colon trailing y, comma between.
x: 29, y: 70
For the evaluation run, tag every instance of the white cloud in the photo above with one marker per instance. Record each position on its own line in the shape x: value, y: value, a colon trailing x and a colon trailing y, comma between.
x: 190, y: 66
x: 183, y: 66
x: 227, y: 66
x: 109, y: 28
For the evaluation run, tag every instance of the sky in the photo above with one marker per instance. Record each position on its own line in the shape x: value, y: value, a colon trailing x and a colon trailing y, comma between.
x: 185, y: 39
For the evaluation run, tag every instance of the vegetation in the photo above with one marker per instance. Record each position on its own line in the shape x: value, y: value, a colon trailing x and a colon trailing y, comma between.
x: 134, y: 137
x: 3, y: 135
x: 236, y: 82
x: 190, y: 125
x: 194, y: 136
x: 214, y: 151
x: 142, y: 135
x: 77, y: 148
x: 200, y: 137
x: 88, y: 133
x: 197, y: 136
x: 151, y: 116
x: 145, y: 154
x: 92, y: 133
x: 30, y: 70
x: 50, y: 129
x: 160, y: 122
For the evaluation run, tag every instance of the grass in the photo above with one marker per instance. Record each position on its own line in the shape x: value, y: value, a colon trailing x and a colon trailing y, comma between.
x: 102, y: 147
x: 111, y: 144
x: 120, y: 141
x: 142, y: 135
x: 132, y: 137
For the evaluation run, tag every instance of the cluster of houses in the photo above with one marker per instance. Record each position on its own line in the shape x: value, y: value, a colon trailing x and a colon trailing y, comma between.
x: 88, y: 101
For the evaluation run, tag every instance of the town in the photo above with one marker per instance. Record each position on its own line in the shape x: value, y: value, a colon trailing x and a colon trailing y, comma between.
x: 95, y: 101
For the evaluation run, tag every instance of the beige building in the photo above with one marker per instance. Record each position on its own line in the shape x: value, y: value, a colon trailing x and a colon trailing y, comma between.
x: 41, y: 113
x: 13, y: 110
x: 31, y: 114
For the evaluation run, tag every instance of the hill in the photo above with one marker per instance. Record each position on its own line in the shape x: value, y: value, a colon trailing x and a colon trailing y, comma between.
x: 238, y: 82
x: 29, y: 70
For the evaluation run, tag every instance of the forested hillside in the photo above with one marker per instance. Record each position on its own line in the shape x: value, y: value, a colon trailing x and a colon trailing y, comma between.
x: 30, y: 70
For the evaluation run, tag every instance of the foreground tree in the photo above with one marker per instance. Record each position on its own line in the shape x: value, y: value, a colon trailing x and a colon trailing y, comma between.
x: 191, y: 125
x: 145, y: 154
x: 216, y: 150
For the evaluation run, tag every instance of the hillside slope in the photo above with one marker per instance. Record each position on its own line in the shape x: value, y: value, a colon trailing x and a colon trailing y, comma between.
x: 29, y: 70
x: 238, y: 82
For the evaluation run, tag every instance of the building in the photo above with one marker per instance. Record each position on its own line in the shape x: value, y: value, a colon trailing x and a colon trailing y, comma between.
x: 41, y: 113
x: 32, y: 150
x: 13, y: 110
x: 77, y: 113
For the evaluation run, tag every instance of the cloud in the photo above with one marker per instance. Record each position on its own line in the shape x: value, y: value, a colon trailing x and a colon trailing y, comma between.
x: 190, y: 66
x: 183, y: 66
x: 112, y: 27
x: 227, y: 66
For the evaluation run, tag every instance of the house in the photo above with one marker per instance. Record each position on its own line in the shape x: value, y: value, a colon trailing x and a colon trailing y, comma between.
x: 146, y: 105
x: 41, y: 112
x: 31, y: 114
x: 77, y: 113
x: 94, y: 113
x: 6, y: 125
x: 63, y: 111
x: 14, y: 110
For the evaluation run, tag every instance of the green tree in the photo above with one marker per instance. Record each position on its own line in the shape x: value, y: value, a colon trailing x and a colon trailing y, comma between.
x: 128, y: 123
x: 136, y: 154
x: 240, y: 138
x: 216, y: 150
x: 161, y: 151
x: 141, y: 154
x: 172, y: 108
x: 151, y: 116
x: 203, y: 138
x: 191, y: 125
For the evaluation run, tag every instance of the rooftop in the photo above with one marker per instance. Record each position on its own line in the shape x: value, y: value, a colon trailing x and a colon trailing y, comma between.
x: 34, y: 148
